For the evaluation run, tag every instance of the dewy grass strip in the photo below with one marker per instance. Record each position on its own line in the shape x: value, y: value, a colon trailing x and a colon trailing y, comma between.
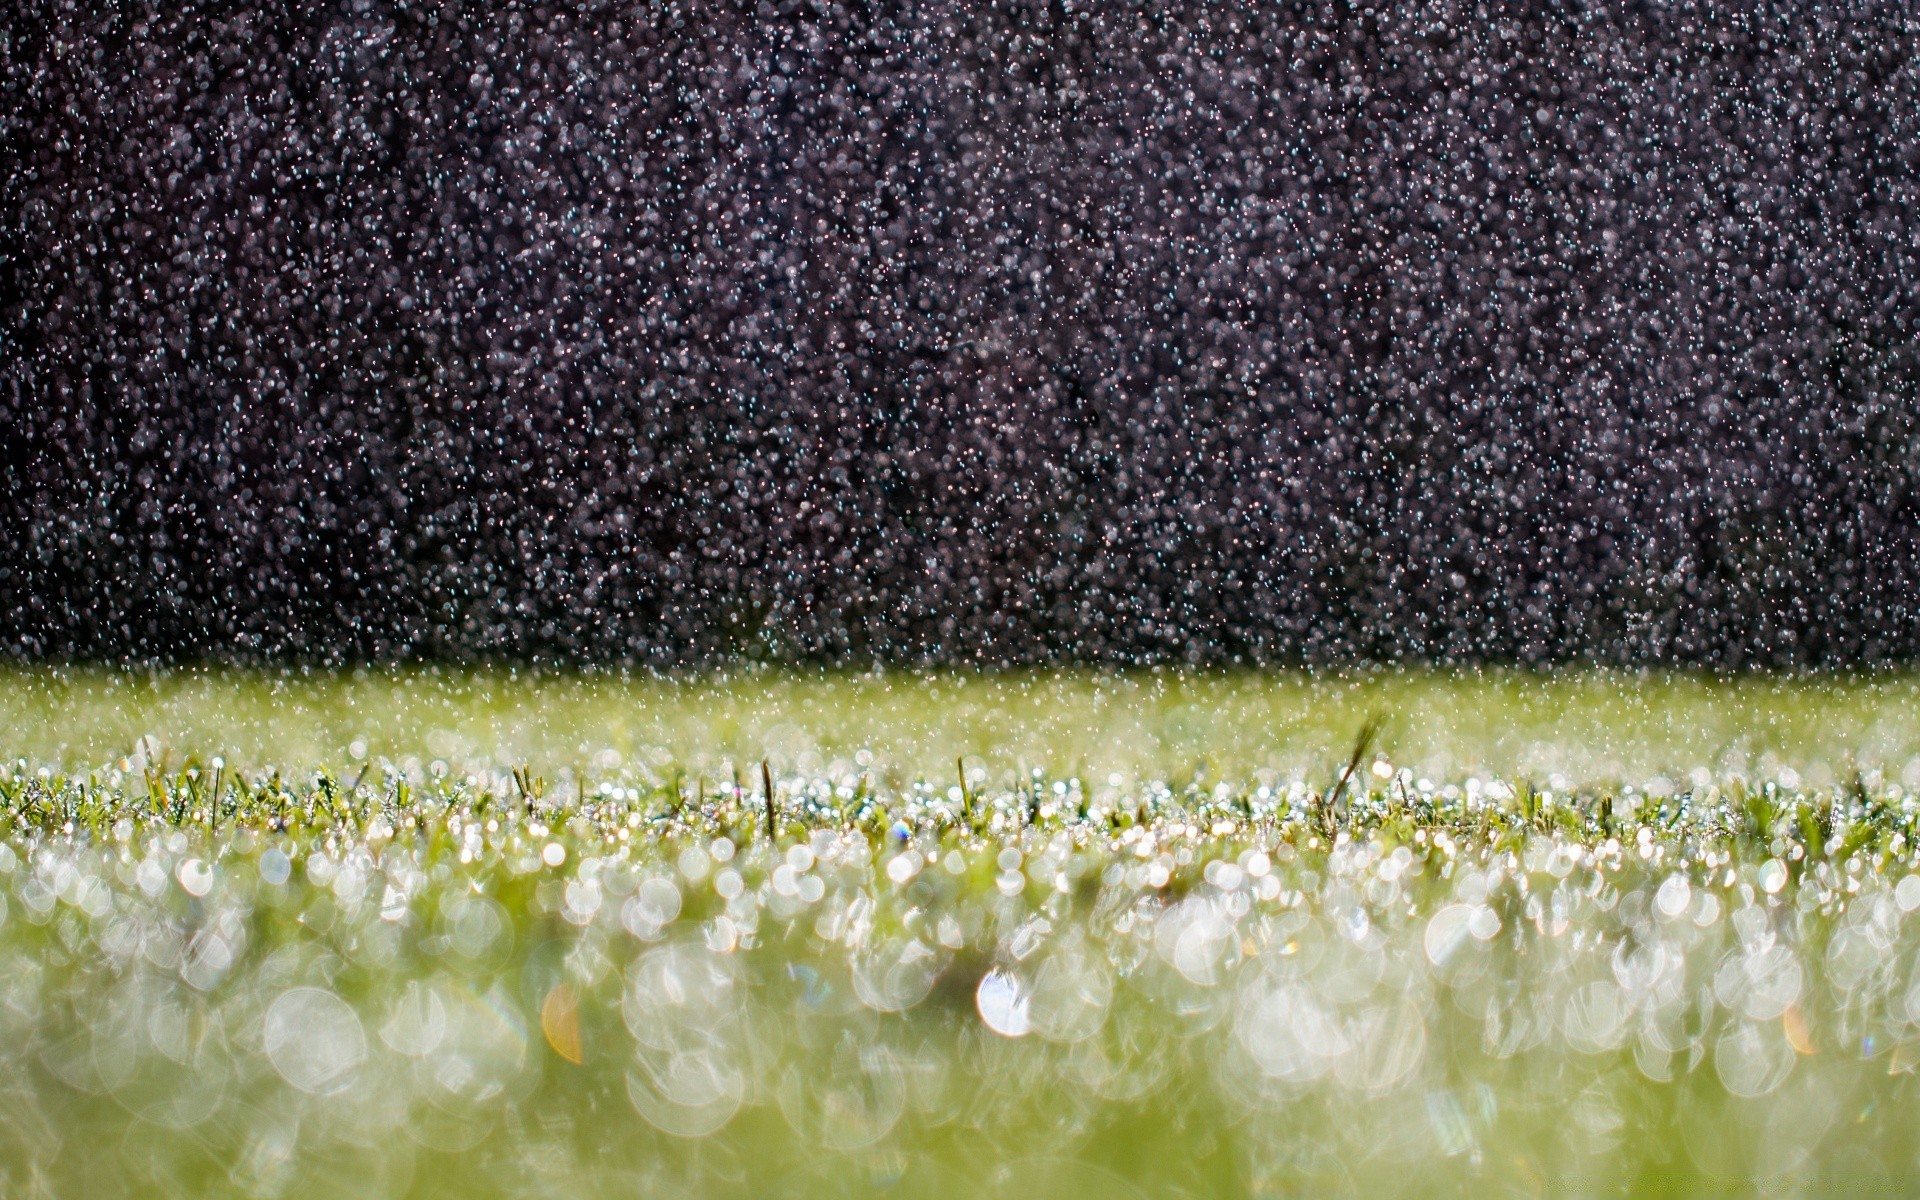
x: 1585, y: 727
x: 215, y: 982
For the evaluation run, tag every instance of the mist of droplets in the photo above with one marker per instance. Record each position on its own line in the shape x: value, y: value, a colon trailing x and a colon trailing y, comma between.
x: 917, y: 332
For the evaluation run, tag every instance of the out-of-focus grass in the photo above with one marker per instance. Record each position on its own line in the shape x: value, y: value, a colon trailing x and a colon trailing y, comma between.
x: 221, y: 983
x: 1584, y: 726
x: 481, y: 933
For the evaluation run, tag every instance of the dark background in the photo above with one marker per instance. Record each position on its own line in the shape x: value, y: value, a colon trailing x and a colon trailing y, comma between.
x: 922, y: 332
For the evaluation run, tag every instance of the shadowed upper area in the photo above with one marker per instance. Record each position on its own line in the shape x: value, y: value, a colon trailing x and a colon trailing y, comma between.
x: 984, y: 333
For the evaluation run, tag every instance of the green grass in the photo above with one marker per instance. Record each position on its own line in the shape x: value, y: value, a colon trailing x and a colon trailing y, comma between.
x: 482, y: 934
x: 1585, y: 726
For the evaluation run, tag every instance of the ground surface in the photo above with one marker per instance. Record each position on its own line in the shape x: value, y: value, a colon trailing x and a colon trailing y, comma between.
x: 493, y: 935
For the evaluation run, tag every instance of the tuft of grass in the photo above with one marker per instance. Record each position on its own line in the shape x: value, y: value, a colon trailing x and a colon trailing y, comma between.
x: 529, y: 786
x: 966, y: 795
x: 1333, y: 808
x: 766, y: 785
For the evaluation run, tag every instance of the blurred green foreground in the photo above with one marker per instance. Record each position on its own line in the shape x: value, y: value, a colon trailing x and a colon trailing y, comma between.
x: 422, y: 934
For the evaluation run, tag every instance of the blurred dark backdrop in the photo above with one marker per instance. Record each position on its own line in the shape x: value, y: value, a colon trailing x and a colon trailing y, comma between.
x: 960, y: 332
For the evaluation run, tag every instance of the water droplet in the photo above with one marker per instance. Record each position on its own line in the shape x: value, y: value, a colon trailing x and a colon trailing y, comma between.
x: 314, y: 1040
x: 1003, y: 1004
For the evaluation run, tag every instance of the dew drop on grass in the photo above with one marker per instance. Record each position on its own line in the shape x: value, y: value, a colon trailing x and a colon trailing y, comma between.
x: 1595, y: 1017
x: 1760, y: 983
x: 1447, y: 932
x: 416, y: 1020
x: 1752, y: 1059
x: 688, y: 1091
x: 896, y: 973
x: 314, y: 1040
x: 195, y: 876
x: 1071, y: 991
x: 1288, y: 1032
x: 1772, y: 876
x: 1673, y: 897
x: 902, y: 867
x: 693, y: 864
x: 651, y: 908
x: 1483, y: 922
x: 1003, y: 1003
